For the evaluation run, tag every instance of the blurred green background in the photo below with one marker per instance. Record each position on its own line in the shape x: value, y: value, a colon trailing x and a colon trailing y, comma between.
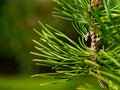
x: 17, y: 20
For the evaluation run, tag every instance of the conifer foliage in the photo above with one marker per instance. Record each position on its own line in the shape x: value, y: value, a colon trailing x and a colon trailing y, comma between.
x: 97, y: 22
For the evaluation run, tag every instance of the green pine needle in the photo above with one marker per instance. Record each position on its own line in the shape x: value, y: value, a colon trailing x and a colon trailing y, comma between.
x: 74, y: 59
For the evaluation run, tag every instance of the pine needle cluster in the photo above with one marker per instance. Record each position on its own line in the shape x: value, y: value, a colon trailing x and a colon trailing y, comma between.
x: 73, y: 59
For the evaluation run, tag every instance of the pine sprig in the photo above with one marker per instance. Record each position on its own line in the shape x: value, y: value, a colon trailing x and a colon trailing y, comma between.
x: 65, y: 57
x: 70, y: 59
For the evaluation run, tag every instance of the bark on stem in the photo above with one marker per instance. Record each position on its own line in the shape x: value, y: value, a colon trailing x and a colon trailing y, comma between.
x: 95, y: 39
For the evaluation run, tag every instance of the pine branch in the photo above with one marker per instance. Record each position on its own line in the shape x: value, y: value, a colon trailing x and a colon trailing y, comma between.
x: 97, y: 22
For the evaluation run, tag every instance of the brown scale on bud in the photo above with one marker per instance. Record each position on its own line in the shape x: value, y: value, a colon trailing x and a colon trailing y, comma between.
x: 94, y: 40
x: 95, y: 3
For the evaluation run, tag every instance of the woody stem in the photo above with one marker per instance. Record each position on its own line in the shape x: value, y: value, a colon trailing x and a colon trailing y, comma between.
x: 95, y: 39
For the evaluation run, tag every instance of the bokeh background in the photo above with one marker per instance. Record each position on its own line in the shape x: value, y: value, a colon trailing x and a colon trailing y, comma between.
x: 17, y: 20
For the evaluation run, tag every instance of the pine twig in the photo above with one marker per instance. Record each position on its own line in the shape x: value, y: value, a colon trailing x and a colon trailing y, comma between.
x: 94, y: 39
